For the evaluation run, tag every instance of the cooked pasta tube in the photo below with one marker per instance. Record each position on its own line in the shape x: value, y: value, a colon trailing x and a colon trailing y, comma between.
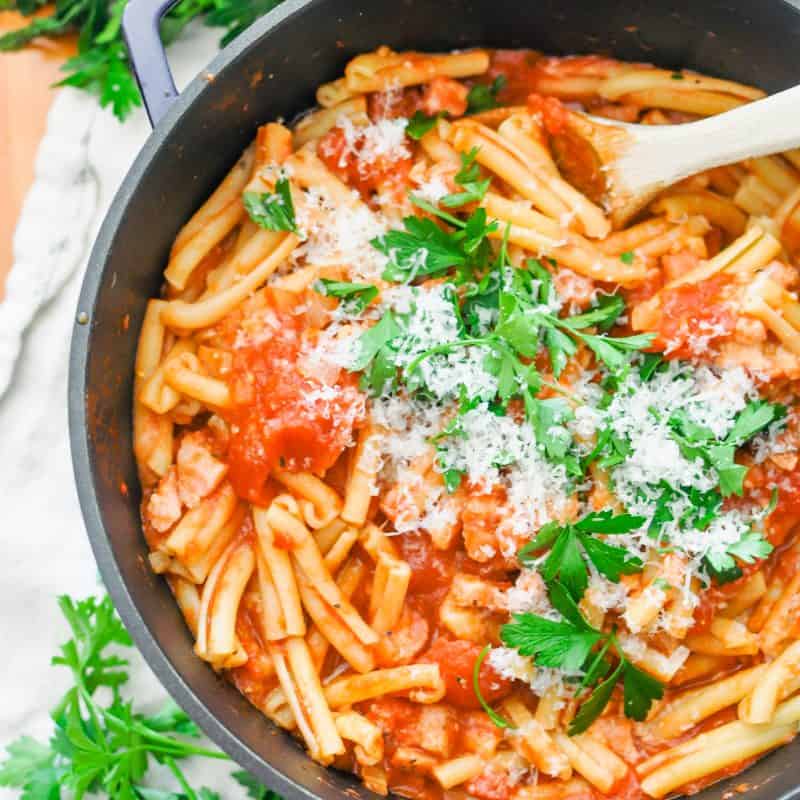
x: 385, y: 69
x: 325, y: 501
x: 188, y: 599
x: 316, y: 124
x: 349, y: 579
x: 155, y: 392
x: 775, y: 172
x: 152, y: 434
x: 305, y: 551
x: 190, y: 316
x: 636, y: 80
x: 535, y: 232
x: 361, y: 479
x: 718, y: 210
x: 778, y: 626
x: 692, y: 707
x: 303, y: 693
x: 534, y: 743
x: 749, y: 594
x: 340, y: 550
x: 601, y: 774
x: 458, y: 770
x: 216, y: 630
x: 760, y: 703
x: 282, y: 574
x: 388, y: 592
x: 365, y: 735
x: 751, y: 251
x: 328, y: 535
x: 756, y: 197
x: 184, y: 374
x: 423, y: 682
x: 333, y: 628
x: 197, y: 529
x: 709, y: 752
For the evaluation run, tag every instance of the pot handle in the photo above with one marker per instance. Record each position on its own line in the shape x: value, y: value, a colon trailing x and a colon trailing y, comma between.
x: 140, y: 27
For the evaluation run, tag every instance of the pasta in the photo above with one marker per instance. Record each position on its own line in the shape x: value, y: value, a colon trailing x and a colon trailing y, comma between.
x: 471, y: 493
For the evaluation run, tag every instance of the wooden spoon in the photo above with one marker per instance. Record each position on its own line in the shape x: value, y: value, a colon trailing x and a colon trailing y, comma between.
x: 641, y: 160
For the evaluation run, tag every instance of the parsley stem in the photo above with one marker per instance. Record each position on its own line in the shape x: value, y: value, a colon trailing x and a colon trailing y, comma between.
x: 432, y: 209
x: 180, y: 777
x: 499, y: 721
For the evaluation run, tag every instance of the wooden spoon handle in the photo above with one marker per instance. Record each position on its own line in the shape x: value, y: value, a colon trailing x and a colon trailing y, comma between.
x: 663, y: 155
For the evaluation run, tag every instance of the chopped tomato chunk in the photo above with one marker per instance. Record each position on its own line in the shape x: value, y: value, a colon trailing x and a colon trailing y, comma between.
x: 366, y: 172
x: 445, y: 94
x: 693, y: 316
x: 456, y: 660
x: 280, y: 416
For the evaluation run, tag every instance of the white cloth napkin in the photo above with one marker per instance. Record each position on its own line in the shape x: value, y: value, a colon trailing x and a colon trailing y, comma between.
x: 81, y: 162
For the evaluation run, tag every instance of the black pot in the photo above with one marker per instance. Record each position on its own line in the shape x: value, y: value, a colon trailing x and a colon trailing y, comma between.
x: 272, y: 71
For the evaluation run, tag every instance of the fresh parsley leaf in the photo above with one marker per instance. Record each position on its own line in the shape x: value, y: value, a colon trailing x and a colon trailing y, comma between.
x: 499, y: 721
x: 750, y: 548
x: 640, y: 691
x: 570, y: 546
x: 603, y: 316
x: 593, y: 707
x: 627, y: 257
x: 612, y: 350
x: 254, y: 788
x: 731, y: 475
x: 421, y: 123
x: 375, y: 355
x: 651, y: 363
x: 422, y: 249
x: 468, y: 178
x: 25, y: 758
x: 609, y: 522
x: 355, y: 296
x: 550, y: 643
x: 483, y: 97
x: 272, y: 211
x: 548, y: 424
x: 97, y: 747
x: 610, y: 560
x: 754, y: 418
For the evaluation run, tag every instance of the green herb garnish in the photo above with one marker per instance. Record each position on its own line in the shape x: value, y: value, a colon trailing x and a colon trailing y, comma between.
x: 273, y: 211
x: 355, y: 296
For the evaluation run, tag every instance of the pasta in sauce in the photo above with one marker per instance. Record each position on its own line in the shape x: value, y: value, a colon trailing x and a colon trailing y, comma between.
x: 476, y: 496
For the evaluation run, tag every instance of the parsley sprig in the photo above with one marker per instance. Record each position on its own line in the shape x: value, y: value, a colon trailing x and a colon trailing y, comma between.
x: 106, y: 747
x: 573, y: 546
x: 355, y: 297
x: 573, y: 646
x: 101, y: 65
x: 273, y: 211
x: 483, y: 97
x: 697, y: 441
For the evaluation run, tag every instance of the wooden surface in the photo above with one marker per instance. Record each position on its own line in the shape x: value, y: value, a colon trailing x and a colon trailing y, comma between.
x: 25, y: 97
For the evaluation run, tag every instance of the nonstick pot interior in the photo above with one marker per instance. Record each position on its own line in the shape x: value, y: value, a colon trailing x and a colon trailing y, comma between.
x: 271, y: 71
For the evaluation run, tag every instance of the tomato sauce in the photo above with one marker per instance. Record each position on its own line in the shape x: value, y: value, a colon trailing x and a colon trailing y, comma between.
x: 693, y: 317
x: 384, y: 173
x: 281, y: 417
x: 456, y: 660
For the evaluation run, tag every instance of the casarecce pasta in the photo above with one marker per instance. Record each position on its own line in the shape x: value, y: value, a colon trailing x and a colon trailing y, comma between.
x: 475, y: 495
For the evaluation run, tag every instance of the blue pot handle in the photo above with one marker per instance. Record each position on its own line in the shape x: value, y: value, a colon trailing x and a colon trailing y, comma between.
x: 140, y: 27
